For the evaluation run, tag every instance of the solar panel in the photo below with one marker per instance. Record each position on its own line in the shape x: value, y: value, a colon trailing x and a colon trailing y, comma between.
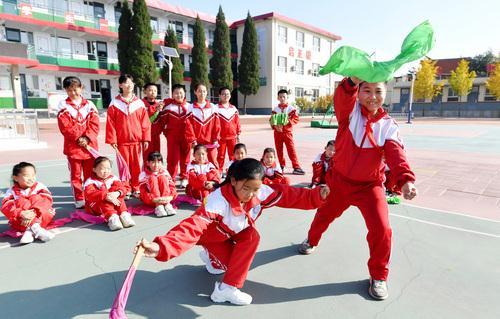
x: 168, y: 51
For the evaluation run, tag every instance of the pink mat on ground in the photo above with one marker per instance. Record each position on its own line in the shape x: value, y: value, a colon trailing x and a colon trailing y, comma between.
x: 185, y: 199
x: 86, y: 217
x: 54, y: 224
x: 141, y: 210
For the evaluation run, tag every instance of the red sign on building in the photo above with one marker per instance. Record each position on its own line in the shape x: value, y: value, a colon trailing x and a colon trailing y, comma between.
x: 308, y: 55
x: 299, y: 53
x: 103, y: 24
x: 69, y: 18
x: 291, y: 51
x: 25, y: 9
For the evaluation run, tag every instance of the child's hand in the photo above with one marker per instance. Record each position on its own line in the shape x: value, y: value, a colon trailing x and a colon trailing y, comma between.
x: 112, y: 197
x: 279, y: 128
x: 27, y: 216
x: 209, y: 185
x: 409, y: 190
x: 324, y: 192
x: 151, y: 249
x: 356, y: 80
x: 145, y: 145
x: 83, y: 141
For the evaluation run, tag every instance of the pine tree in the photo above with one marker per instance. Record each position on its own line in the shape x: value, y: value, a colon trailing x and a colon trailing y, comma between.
x: 124, y: 41
x: 493, y: 82
x: 221, y: 74
x: 178, y: 68
x: 143, y: 67
x: 248, y: 69
x: 425, y: 86
x: 199, y: 67
x: 461, y: 79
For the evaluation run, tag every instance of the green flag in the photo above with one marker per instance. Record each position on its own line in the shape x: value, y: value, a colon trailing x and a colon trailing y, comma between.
x: 349, y: 61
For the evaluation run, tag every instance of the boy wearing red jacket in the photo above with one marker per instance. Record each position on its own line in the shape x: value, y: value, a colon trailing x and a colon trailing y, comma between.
x: 154, y: 108
x: 230, y: 128
x: 283, y: 132
x: 78, y: 122
x: 128, y: 129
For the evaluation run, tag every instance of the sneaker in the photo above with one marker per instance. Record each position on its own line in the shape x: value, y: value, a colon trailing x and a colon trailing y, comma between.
x: 27, y: 237
x: 208, y: 263
x: 136, y: 194
x: 160, y: 211
x: 184, y: 183
x: 231, y: 294
x: 41, y: 233
x: 305, y: 248
x: 378, y: 289
x: 114, y: 222
x: 170, y: 210
x: 313, y: 185
x: 127, y: 220
x: 79, y: 204
x: 298, y: 171
x: 128, y: 196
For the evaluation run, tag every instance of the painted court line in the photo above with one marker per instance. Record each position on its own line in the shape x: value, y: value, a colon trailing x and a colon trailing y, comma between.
x: 452, y: 213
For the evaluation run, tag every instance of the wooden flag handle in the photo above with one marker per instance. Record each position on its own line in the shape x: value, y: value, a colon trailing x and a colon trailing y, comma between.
x: 138, y: 256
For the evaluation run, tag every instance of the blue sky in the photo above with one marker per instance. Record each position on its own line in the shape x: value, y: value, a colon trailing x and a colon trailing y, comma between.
x: 463, y: 28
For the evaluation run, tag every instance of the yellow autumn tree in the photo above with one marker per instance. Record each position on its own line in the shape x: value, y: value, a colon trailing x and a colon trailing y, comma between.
x: 493, y: 82
x: 461, y: 78
x: 425, y: 86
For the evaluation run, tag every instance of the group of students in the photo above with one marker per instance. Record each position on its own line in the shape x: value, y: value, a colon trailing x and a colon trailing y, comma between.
x: 349, y: 172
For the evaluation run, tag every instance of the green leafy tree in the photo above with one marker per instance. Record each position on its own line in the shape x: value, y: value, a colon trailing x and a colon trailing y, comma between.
x: 143, y: 67
x: 493, y: 82
x: 425, y: 86
x: 220, y: 63
x: 461, y: 79
x: 479, y: 63
x: 248, y: 69
x: 124, y: 41
x: 178, y: 68
x: 199, y: 67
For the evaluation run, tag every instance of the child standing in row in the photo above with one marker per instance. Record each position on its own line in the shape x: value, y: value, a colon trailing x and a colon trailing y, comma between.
x: 28, y: 205
x: 105, y: 193
x: 283, y: 133
x: 174, y: 118
x: 78, y: 122
x: 272, y: 171
x: 154, y: 108
x: 365, y: 135
x: 322, y: 164
x: 157, y: 187
x: 203, y: 176
x: 230, y: 128
x: 128, y: 129
x: 203, y: 125
x: 225, y: 227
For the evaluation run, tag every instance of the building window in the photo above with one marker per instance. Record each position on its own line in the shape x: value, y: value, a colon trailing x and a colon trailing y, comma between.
x: 315, y: 94
x: 299, y: 39
x: 13, y: 35
x: 118, y: 12
x: 59, y: 86
x: 299, y: 67
x: 299, y: 92
x: 316, y: 44
x: 179, y: 30
x: 210, y: 38
x: 95, y: 86
x: 181, y: 57
x: 315, y: 69
x: 190, y: 34
x: 154, y: 24
x: 281, y: 64
x: 282, y: 33
x: 452, y: 95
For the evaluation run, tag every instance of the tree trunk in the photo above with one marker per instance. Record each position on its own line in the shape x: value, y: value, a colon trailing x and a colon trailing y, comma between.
x: 244, y: 104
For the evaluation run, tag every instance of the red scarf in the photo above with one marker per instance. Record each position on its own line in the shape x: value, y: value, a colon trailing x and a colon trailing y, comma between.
x: 17, y: 190
x: 180, y: 105
x: 228, y: 193
x: 79, y: 116
x: 207, y: 105
x: 370, y: 120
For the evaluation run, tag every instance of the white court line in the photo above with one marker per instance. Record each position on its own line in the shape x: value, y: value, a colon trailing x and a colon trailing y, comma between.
x: 37, y: 167
x: 446, y: 226
x: 453, y: 213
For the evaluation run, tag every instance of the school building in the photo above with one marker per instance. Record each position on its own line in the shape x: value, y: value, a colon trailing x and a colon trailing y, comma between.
x: 43, y: 41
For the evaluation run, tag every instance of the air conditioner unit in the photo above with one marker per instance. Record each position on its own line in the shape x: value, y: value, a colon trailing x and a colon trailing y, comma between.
x: 292, y: 68
x: 309, y: 71
x: 308, y: 92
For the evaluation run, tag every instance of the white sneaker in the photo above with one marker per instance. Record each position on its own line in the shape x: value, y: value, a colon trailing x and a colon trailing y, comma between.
x: 378, y: 289
x: 79, y: 204
x: 27, y: 237
x: 170, y: 210
x: 231, y: 294
x: 127, y: 220
x: 136, y: 194
x: 114, y: 222
x: 184, y: 183
x: 160, y: 211
x: 41, y: 233
x: 208, y: 264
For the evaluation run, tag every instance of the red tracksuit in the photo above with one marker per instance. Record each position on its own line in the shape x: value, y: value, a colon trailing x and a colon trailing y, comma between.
x: 358, y: 174
x: 156, y: 184
x: 37, y: 197
x: 227, y: 231
x: 320, y: 166
x: 174, y: 118
x: 286, y: 136
x: 128, y: 125
x: 274, y: 175
x: 77, y: 121
x: 96, y: 190
x: 230, y: 129
x: 203, y: 127
x: 156, y: 127
x: 198, y: 174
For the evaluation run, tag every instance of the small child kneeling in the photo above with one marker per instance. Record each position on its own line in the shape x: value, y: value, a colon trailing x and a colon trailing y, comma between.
x: 104, y: 196
x: 203, y: 176
x: 273, y: 174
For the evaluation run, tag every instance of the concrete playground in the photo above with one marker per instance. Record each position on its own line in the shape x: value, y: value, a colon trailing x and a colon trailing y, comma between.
x: 445, y: 260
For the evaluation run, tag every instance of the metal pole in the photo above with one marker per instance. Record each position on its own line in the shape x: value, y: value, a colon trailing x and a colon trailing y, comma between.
x: 169, y: 77
x: 411, y: 98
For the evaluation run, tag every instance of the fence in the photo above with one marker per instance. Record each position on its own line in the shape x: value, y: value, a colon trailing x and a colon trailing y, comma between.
x: 16, y: 124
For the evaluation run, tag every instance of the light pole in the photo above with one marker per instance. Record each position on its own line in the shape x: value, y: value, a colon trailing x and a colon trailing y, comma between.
x: 411, y: 77
x: 171, y: 53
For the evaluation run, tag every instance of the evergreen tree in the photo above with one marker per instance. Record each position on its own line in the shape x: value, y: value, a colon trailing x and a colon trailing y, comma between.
x: 199, y: 67
x: 479, y: 62
x: 248, y: 69
x: 124, y: 41
x: 178, y: 68
x: 461, y: 79
x: 493, y: 82
x: 143, y: 67
x: 221, y: 74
